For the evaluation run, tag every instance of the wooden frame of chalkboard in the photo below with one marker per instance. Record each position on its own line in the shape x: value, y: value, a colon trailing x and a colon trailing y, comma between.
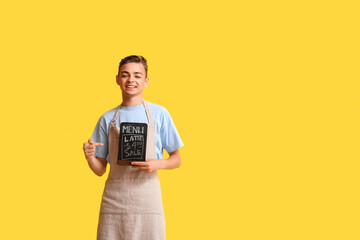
x: 132, y: 142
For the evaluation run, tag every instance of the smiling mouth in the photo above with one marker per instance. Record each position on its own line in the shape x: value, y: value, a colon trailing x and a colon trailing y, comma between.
x: 130, y: 86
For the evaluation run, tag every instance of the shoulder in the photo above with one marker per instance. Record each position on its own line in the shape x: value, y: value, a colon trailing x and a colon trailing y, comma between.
x: 160, y: 114
x: 108, y: 115
x: 157, y: 110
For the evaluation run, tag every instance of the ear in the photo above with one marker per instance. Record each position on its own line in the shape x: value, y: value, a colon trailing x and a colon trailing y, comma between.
x: 117, y: 80
x: 146, y: 82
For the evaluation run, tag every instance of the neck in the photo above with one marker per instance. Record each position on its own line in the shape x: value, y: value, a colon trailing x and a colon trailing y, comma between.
x: 129, y: 101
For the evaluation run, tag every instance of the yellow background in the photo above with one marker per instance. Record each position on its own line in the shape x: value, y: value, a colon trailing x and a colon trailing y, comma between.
x: 264, y: 94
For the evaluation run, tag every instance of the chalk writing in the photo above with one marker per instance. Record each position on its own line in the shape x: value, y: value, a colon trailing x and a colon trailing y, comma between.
x: 132, y: 142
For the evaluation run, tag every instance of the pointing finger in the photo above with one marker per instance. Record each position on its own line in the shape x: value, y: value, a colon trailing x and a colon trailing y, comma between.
x: 99, y: 144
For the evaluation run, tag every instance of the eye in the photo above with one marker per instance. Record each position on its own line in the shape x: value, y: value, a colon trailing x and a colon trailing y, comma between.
x: 138, y: 76
x: 124, y: 75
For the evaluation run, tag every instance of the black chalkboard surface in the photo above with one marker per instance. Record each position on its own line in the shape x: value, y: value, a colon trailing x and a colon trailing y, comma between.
x: 132, y: 142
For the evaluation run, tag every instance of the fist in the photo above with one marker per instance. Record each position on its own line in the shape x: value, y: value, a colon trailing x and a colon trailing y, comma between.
x: 89, y: 148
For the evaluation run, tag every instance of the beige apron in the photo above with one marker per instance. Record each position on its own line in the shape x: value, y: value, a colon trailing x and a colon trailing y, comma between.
x: 131, y: 206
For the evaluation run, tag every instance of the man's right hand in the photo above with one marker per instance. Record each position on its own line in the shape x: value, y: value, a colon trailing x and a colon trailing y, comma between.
x: 89, y: 148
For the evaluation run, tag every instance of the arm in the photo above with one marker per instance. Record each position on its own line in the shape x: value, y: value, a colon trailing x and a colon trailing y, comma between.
x: 174, y: 160
x: 97, y: 164
x: 152, y: 165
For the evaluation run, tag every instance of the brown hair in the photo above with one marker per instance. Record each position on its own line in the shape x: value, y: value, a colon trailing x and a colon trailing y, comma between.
x: 136, y: 59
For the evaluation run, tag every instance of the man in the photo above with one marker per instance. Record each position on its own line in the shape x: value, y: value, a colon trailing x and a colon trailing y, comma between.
x: 131, y: 206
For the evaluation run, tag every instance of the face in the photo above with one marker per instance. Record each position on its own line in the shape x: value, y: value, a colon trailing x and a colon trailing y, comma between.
x: 132, y: 79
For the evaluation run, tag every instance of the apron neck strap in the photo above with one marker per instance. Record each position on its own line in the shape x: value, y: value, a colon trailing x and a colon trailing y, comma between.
x: 117, y: 109
x: 148, y: 113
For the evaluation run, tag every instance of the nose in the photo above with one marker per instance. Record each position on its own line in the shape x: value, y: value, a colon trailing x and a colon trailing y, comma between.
x: 131, y: 79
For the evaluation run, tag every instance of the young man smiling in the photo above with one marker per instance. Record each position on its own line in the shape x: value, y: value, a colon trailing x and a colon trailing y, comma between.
x: 132, y: 80
x: 131, y: 206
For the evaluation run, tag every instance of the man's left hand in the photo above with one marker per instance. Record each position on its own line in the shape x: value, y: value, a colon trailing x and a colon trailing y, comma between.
x: 149, y: 166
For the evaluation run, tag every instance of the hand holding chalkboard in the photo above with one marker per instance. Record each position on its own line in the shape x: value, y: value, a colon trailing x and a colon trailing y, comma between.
x: 149, y: 166
x: 132, y: 142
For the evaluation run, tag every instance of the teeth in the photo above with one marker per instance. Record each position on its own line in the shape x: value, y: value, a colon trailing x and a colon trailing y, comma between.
x: 130, y: 86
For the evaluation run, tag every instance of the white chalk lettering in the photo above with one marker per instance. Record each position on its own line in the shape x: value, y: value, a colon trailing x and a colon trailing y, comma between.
x: 132, y: 129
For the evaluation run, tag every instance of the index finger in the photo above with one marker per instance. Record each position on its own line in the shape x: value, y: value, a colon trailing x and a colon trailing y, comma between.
x: 99, y: 144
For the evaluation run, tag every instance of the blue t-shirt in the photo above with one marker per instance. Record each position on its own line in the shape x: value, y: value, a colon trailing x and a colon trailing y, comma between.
x: 166, y: 135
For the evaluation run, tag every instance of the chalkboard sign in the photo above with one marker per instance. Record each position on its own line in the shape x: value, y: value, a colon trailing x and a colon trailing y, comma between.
x: 132, y: 142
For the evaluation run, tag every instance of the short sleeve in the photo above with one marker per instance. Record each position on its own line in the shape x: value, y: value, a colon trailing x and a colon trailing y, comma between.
x: 100, y: 135
x: 170, y: 138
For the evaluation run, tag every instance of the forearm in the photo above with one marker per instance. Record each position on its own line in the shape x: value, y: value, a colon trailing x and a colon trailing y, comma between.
x: 97, y: 165
x: 174, y: 161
